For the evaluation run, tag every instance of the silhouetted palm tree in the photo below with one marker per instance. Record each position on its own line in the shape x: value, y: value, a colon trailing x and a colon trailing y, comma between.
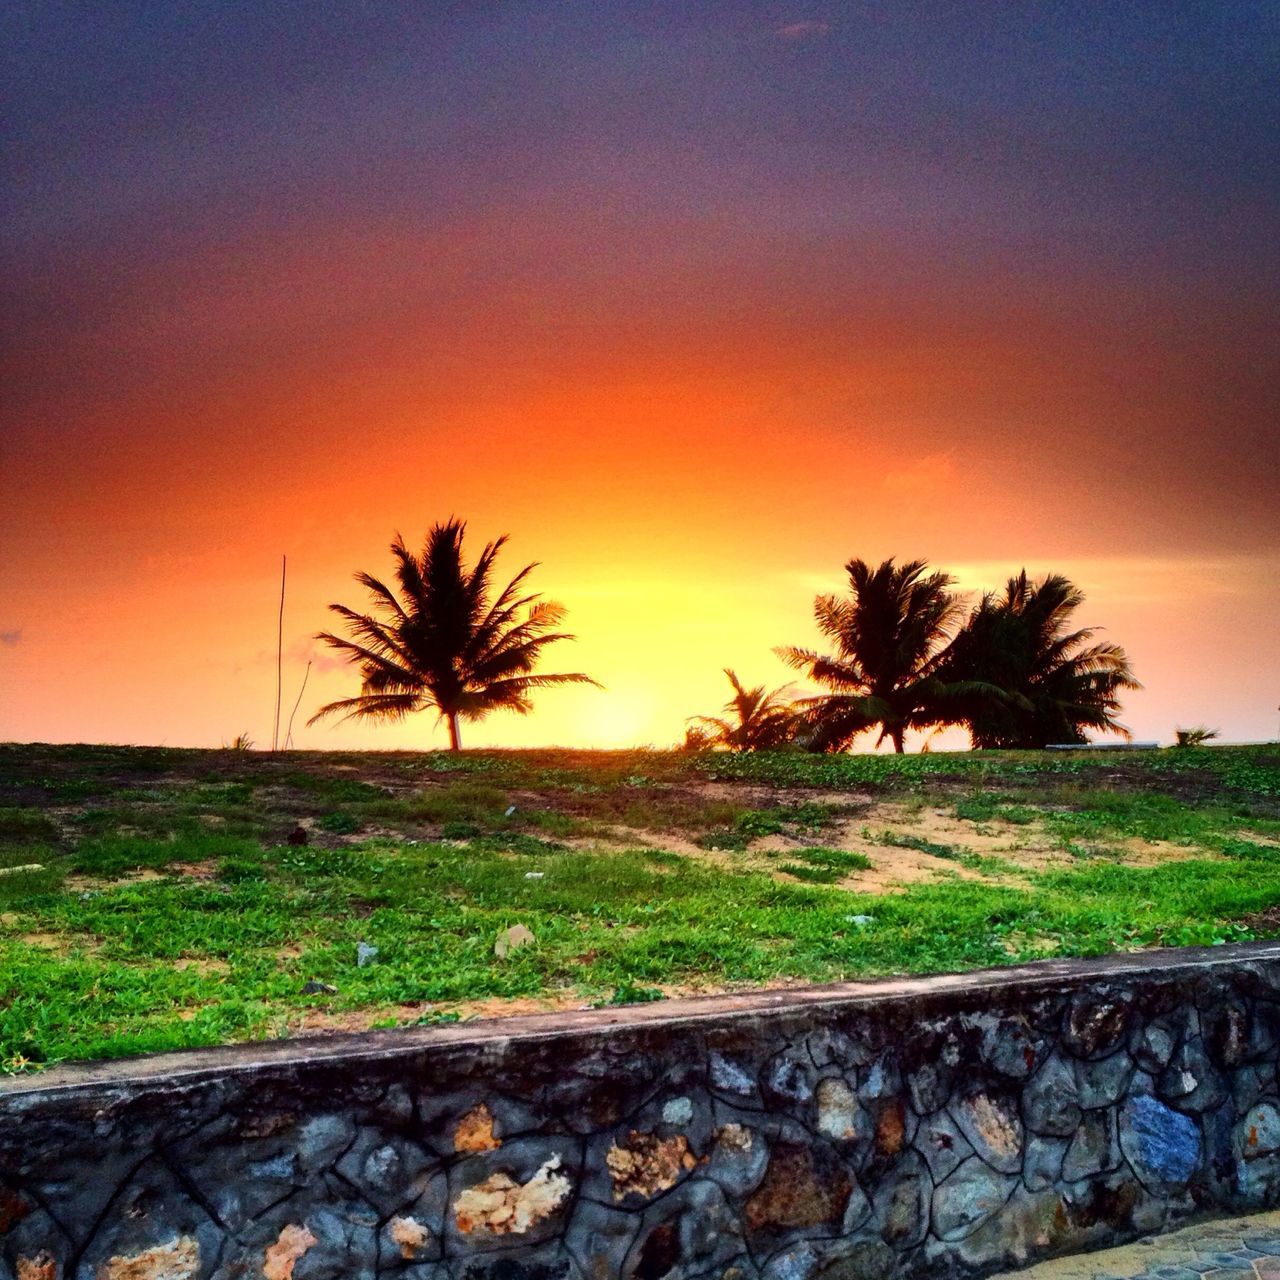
x: 444, y: 642
x: 1058, y: 684
x: 754, y: 720
x: 889, y: 633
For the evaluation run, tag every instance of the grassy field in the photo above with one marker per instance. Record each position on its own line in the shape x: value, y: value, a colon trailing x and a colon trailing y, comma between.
x: 150, y: 899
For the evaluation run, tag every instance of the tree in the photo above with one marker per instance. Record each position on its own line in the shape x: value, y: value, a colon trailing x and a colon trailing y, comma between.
x: 443, y: 642
x: 1058, y: 683
x: 753, y: 720
x: 889, y: 633
x: 1196, y: 737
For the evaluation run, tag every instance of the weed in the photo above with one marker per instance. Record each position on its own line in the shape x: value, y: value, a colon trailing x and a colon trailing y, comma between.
x: 340, y: 823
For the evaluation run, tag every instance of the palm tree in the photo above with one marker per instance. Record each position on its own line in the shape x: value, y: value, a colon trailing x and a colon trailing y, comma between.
x: 1058, y: 682
x: 753, y: 720
x: 444, y: 642
x: 889, y: 634
x: 1196, y: 737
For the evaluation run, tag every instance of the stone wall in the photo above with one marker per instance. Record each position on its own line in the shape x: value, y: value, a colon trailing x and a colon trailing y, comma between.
x: 938, y: 1127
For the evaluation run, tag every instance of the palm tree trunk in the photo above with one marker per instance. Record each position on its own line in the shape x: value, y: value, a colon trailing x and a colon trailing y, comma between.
x: 455, y: 739
x: 896, y: 735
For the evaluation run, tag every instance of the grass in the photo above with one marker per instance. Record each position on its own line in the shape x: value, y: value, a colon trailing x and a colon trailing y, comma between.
x: 165, y: 908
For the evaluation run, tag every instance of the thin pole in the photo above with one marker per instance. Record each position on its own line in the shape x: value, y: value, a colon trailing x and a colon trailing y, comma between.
x: 288, y: 735
x: 275, y: 725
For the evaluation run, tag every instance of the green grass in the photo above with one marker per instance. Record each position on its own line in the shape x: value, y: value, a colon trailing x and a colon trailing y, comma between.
x: 167, y: 911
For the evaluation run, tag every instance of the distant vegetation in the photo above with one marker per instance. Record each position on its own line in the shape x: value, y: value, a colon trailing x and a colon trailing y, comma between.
x: 753, y: 720
x: 905, y: 655
x: 1194, y: 737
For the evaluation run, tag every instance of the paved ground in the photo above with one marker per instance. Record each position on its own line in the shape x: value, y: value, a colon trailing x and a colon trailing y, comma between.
x: 1223, y: 1249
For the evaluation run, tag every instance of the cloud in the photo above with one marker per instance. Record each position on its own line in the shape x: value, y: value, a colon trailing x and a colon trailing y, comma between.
x: 10, y: 638
x: 803, y: 30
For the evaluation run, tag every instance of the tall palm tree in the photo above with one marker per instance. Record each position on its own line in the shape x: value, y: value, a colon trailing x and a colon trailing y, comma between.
x: 1058, y: 683
x: 444, y: 642
x: 753, y: 720
x: 889, y: 634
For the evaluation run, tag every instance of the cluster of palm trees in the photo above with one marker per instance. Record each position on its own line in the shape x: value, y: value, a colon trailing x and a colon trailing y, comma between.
x: 905, y: 654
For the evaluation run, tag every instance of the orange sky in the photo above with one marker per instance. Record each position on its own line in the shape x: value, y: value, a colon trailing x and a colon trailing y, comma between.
x: 692, y: 357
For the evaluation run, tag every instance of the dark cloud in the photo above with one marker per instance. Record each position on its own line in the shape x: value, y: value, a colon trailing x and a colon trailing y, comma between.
x: 10, y: 638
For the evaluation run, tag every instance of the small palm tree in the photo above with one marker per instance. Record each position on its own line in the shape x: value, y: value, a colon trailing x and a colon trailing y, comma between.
x: 753, y: 720
x: 1058, y: 683
x: 889, y: 634
x: 1196, y: 737
x: 444, y: 643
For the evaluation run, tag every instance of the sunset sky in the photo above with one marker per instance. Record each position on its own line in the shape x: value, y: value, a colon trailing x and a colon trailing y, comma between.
x: 694, y: 301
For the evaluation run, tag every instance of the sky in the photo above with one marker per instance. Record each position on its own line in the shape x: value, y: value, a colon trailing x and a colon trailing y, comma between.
x: 694, y: 302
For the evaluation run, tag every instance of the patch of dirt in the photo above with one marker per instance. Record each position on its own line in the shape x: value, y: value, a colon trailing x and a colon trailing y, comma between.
x: 206, y: 870
x: 142, y: 875
x: 1150, y: 853
x: 202, y: 964
x: 46, y: 941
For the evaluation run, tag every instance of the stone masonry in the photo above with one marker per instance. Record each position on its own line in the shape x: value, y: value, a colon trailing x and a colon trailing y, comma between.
x: 943, y: 1127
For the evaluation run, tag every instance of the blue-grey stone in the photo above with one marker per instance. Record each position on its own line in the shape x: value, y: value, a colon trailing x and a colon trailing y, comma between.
x: 738, y: 1158
x: 1155, y: 1046
x: 283, y: 1167
x: 730, y: 1076
x: 322, y: 1139
x: 798, y: 1262
x: 1093, y: 1148
x: 828, y: 1047
x: 1161, y: 1144
x: 881, y: 1079
x: 386, y: 1171
x: 788, y: 1078
x: 1102, y: 1082
x: 1250, y: 1084
x: 427, y: 1209
x: 901, y: 1202
x: 1010, y: 1047
x: 1050, y: 1100
x: 600, y: 1237
x: 1042, y: 1162
x: 930, y: 1087
x: 965, y: 1200
x: 153, y: 1208
x: 1258, y: 1132
x: 1190, y: 1082
x: 942, y: 1144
